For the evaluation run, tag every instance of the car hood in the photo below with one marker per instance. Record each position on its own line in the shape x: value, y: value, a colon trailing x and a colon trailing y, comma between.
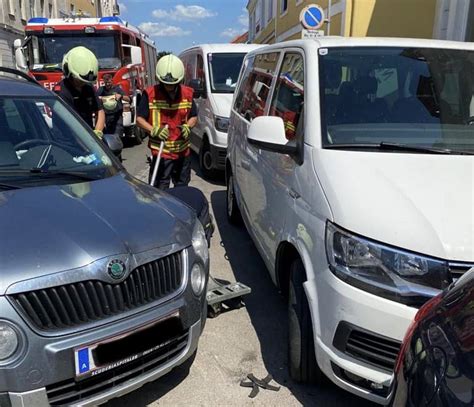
x: 423, y: 203
x: 50, y: 229
x: 222, y: 103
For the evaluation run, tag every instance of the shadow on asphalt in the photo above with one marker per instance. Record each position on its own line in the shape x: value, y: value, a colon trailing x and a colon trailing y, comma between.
x: 268, y: 313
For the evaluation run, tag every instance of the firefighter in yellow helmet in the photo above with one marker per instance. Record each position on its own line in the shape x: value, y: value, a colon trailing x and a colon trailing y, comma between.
x: 80, y: 68
x: 167, y: 111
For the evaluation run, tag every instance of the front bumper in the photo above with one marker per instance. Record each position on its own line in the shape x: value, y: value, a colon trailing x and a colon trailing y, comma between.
x: 39, y: 397
x: 335, y: 303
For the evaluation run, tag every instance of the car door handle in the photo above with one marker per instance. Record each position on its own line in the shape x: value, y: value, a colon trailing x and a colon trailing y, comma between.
x: 293, y: 193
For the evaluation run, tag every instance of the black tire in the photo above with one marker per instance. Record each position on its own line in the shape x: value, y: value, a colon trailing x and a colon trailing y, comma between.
x: 205, y: 160
x: 137, y: 132
x: 233, y: 213
x: 301, y: 355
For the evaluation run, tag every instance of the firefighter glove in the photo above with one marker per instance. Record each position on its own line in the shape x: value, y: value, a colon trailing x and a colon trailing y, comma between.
x: 185, y: 131
x: 99, y: 133
x: 160, y: 132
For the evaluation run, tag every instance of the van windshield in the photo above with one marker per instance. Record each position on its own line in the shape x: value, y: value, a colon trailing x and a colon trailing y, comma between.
x: 224, y: 71
x: 417, y: 98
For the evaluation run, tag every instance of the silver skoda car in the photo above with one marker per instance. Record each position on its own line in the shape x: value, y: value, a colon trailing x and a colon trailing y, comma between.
x: 103, y: 278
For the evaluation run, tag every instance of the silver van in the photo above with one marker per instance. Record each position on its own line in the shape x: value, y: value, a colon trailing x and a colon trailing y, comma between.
x: 103, y: 277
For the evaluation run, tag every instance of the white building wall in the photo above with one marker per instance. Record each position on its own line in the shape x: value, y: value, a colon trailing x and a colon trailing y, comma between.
x: 451, y: 20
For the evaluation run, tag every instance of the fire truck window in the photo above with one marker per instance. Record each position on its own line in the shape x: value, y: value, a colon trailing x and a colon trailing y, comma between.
x: 288, y: 98
x: 255, y: 85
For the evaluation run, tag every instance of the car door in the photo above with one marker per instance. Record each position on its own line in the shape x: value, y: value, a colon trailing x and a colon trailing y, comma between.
x: 251, y: 178
x: 277, y: 187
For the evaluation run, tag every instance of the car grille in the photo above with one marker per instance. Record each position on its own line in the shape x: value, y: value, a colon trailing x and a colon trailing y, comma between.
x: 458, y: 269
x: 76, y: 304
x: 71, y: 391
x: 366, y: 346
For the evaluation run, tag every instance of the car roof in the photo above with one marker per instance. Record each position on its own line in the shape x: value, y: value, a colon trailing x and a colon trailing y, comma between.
x: 336, y: 41
x: 10, y: 86
x: 229, y: 48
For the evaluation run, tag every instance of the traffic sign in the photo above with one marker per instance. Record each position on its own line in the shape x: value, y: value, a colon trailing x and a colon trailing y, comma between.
x: 312, y: 17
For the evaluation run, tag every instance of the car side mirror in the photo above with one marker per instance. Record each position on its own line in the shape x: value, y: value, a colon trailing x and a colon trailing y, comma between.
x: 268, y: 133
x: 114, y: 143
x: 198, y: 87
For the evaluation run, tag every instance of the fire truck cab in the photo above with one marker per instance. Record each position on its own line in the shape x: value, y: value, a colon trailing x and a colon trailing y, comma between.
x: 122, y: 50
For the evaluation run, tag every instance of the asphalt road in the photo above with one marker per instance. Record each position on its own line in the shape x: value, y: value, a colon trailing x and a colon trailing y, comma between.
x: 251, y: 339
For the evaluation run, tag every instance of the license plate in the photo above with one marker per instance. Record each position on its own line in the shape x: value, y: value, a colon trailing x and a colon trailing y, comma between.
x: 110, y: 353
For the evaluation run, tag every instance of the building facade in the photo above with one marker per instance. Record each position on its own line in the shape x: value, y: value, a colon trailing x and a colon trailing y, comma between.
x: 278, y: 20
x: 15, y: 13
x: 108, y: 8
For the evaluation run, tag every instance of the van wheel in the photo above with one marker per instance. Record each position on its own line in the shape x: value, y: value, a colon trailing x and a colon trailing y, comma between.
x: 138, y: 135
x: 233, y: 212
x: 301, y: 354
x: 205, y: 160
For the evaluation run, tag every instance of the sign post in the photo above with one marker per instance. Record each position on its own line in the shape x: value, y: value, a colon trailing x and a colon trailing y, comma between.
x: 312, y: 19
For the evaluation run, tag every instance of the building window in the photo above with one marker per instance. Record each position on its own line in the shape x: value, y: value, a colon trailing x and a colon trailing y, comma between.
x: 22, y: 10
x: 42, y: 11
x: 269, y: 10
x: 32, y: 8
x: 50, y: 10
x: 73, y: 8
x: 284, y: 6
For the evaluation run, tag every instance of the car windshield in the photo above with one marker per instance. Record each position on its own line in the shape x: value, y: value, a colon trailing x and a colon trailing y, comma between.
x: 42, y: 142
x: 48, y: 50
x: 411, y: 99
x: 224, y: 71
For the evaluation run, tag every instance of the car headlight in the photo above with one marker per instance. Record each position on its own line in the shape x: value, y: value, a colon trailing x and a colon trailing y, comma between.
x: 199, y: 242
x: 391, y: 273
x: 198, y: 279
x: 8, y: 340
x: 222, y: 123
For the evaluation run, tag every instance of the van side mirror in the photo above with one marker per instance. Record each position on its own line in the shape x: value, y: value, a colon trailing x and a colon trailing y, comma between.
x: 268, y: 133
x: 199, y: 89
x: 135, y: 54
x: 19, y: 55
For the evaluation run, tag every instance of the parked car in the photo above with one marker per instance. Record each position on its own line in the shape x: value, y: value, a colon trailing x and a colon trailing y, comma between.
x: 350, y: 161
x: 103, y: 277
x: 212, y: 70
x: 435, y: 366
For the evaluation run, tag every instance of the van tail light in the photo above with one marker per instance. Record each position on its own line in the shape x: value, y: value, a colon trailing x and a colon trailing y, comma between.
x: 420, y: 315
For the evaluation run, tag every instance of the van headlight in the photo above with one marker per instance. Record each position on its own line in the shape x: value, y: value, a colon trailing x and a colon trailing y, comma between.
x: 199, y: 242
x: 385, y: 271
x: 222, y: 124
x: 8, y: 340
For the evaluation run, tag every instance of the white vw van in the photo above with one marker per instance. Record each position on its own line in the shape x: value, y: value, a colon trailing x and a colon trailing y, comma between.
x: 351, y: 162
x: 213, y: 70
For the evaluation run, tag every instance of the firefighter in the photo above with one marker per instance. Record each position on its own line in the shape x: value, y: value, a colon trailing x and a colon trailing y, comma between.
x: 111, y: 97
x: 168, y: 113
x: 80, y: 68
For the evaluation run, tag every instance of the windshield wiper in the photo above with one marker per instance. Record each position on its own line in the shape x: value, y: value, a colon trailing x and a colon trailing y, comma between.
x: 81, y: 175
x: 384, y: 145
x: 8, y: 186
x: 416, y: 149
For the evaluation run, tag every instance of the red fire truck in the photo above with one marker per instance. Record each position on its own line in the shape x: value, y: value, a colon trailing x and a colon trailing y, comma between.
x: 122, y: 50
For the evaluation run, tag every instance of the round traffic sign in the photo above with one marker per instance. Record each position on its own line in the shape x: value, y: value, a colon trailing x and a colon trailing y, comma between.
x: 312, y: 17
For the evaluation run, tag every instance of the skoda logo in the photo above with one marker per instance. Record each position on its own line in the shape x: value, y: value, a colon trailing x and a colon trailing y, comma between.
x: 116, y: 269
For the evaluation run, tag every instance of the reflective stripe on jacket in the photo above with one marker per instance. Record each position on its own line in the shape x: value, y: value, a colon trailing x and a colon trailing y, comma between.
x: 172, y: 113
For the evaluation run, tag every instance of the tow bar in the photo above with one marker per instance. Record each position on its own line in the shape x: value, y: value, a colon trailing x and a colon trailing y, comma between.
x: 224, y: 296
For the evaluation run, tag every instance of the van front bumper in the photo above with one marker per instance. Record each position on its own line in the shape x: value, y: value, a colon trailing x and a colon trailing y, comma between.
x: 354, y: 333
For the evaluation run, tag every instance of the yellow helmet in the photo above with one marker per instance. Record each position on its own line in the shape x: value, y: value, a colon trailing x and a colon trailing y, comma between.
x: 170, y: 70
x: 81, y: 63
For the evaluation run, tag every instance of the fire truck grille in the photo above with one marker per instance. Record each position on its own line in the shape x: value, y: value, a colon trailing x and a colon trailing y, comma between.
x: 73, y: 305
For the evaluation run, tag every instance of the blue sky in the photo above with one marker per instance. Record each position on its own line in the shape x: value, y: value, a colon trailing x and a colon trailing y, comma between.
x: 176, y: 25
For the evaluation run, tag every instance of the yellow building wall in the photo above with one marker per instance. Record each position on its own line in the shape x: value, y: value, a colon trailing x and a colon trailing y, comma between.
x: 390, y: 18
